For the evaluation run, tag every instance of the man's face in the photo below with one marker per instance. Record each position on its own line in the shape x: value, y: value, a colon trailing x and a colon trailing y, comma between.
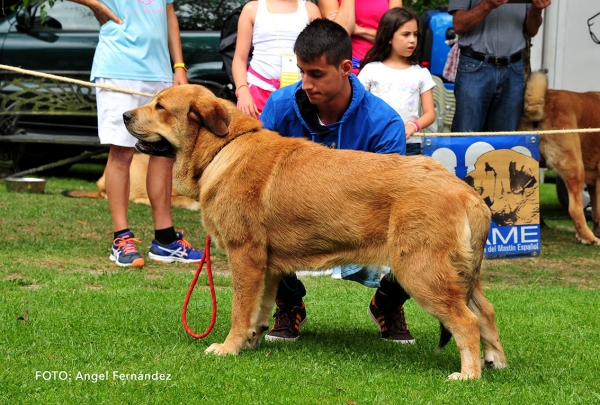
x: 323, y: 82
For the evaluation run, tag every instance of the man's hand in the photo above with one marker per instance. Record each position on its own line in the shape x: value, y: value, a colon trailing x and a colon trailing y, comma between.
x: 534, y: 17
x: 539, y: 4
x: 466, y: 20
x: 493, y: 4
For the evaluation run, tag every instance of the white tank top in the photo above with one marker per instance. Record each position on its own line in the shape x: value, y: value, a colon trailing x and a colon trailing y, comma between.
x: 272, y: 34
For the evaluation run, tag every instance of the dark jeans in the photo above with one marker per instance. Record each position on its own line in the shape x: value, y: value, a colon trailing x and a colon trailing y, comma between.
x: 413, y: 149
x: 291, y: 291
x: 488, y: 97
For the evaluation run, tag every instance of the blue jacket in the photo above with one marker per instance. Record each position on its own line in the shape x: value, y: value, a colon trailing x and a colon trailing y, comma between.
x: 369, y: 124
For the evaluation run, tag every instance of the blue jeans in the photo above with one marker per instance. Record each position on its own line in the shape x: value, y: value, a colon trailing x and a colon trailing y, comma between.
x: 291, y: 290
x: 413, y: 149
x: 488, y: 97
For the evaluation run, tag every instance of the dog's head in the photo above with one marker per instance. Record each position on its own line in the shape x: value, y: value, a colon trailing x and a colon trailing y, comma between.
x: 168, y: 123
x: 189, y: 125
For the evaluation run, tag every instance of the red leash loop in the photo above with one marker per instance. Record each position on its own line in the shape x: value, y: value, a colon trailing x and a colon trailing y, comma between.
x: 211, y: 284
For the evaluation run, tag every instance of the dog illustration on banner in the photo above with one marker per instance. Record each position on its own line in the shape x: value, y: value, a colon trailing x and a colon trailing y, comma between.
x: 504, y: 170
x: 507, y: 181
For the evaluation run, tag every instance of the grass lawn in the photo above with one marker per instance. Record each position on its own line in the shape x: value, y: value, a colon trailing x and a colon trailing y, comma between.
x: 75, y: 328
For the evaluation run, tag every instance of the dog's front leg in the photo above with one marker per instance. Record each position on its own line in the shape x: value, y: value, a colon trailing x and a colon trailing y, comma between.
x: 248, y: 279
x: 266, y: 306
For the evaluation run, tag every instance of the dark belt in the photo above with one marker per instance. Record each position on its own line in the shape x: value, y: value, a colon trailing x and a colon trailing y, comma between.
x: 494, y: 60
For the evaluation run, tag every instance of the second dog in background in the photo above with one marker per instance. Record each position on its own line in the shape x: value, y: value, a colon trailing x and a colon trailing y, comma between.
x: 137, y: 188
x: 574, y: 156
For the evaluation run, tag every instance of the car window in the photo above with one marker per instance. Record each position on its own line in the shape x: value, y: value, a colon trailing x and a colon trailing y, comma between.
x: 204, y: 15
x: 66, y: 16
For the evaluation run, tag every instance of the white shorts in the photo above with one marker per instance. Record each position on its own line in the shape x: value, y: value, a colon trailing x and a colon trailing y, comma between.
x: 112, y: 104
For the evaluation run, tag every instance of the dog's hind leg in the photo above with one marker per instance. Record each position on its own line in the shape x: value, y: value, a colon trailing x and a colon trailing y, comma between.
x: 248, y: 275
x: 493, y: 354
x: 575, y: 187
x: 433, y: 283
x: 563, y: 154
x: 594, y: 201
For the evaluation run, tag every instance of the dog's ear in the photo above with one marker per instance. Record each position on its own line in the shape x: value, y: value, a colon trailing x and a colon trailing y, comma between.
x: 211, y: 114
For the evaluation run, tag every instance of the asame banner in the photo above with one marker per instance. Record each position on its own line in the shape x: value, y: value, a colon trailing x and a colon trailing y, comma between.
x: 504, y: 170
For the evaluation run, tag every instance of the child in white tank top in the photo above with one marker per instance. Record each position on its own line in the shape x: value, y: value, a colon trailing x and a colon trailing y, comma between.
x: 271, y: 26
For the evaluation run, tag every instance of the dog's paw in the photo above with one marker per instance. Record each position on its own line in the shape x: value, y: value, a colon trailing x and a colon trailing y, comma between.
x: 492, y: 363
x: 588, y: 241
x: 254, y: 341
x: 220, y: 349
x: 461, y: 376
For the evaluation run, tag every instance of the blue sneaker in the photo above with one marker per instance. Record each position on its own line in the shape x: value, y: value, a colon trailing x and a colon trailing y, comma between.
x: 178, y: 251
x: 124, y: 252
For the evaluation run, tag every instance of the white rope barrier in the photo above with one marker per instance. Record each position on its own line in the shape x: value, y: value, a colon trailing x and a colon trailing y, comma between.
x: 74, y: 81
x: 90, y: 84
x: 544, y: 132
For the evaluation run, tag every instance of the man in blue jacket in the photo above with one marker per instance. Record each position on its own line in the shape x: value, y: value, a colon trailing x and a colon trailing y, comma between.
x: 330, y: 106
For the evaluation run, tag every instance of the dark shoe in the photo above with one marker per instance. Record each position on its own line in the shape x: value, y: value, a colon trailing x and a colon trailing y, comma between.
x: 391, y: 323
x: 124, y: 252
x: 288, y: 322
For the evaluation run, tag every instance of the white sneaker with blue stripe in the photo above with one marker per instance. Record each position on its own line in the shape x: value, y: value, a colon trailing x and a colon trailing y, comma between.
x: 178, y: 251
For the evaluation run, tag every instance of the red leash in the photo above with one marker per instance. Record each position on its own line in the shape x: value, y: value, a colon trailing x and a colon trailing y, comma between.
x: 211, y: 284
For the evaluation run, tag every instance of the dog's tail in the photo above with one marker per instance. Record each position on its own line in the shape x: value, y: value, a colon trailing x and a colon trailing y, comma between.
x: 534, y: 100
x: 445, y: 336
x: 98, y: 194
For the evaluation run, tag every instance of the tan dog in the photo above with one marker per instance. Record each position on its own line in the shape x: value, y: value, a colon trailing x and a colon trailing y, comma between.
x: 137, y: 187
x: 278, y: 204
x: 574, y: 156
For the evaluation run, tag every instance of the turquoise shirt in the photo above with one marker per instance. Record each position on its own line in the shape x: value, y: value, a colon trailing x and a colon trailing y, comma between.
x: 138, y: 48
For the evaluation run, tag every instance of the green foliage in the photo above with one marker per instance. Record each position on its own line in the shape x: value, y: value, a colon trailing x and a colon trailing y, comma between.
x: 419, y: 6
x: 209, y: 14
x: 26, y: 3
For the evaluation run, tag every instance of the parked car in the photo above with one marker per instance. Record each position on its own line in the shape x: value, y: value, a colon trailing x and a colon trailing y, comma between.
x: 43, y: 120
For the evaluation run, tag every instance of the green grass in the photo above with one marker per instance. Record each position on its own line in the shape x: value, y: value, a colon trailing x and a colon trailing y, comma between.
x: 64, y: 307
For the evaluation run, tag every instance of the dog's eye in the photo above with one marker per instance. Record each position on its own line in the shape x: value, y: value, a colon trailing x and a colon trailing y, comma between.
x: 159, y: 106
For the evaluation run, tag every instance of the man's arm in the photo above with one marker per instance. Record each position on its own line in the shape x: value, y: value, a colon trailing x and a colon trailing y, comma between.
x: 392, y: 137
x: 533, y: 21
x: 101, y: 12
x: 466, y: 20
x: 267, y: 117
x: 174, y: 40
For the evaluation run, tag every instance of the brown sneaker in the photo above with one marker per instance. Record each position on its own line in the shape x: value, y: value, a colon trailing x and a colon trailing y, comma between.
x: 391, y: 323
x: 288, y: 322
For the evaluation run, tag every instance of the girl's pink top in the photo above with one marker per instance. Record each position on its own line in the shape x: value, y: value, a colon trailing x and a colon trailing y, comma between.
x: 367, y: 14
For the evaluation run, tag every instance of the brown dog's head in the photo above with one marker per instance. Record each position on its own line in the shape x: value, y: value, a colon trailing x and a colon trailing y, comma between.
x: 162, y: 125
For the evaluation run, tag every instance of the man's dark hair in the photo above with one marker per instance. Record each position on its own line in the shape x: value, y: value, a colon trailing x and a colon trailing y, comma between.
x: 323, y: 37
